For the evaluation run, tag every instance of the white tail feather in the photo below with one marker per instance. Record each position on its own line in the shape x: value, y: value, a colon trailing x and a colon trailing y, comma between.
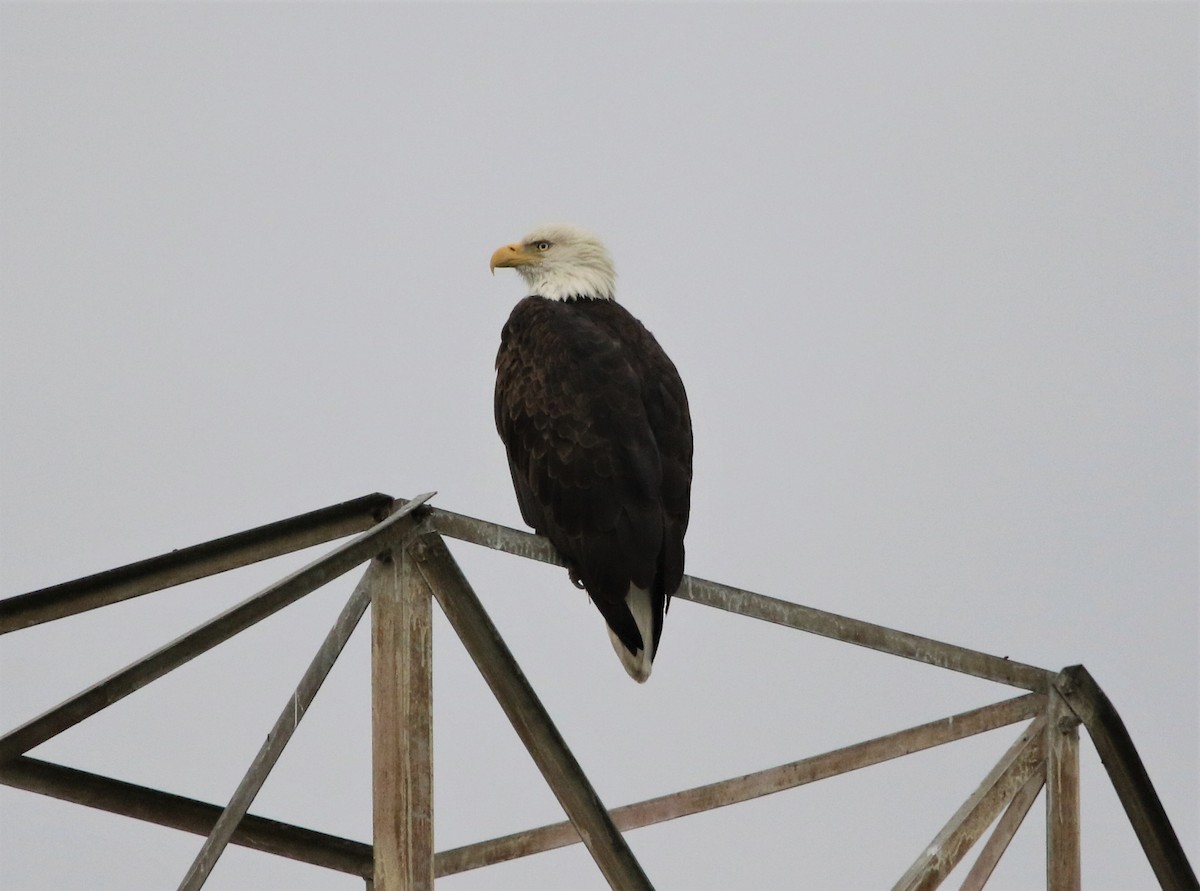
x: 637, y: 664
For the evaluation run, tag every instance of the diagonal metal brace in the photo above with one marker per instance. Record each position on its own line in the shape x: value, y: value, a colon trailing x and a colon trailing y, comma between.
x: 527, y: 714
x: 1129, y: 777
x: 281, y: 734
x: 1006, y: 828
x: 1023, y: 758
x: 204, y: 637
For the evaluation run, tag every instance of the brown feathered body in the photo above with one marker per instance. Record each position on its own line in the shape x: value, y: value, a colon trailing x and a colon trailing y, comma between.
x: 595, y: 421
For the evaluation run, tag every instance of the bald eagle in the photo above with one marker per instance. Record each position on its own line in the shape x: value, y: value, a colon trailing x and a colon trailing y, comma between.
x: 595, y: 421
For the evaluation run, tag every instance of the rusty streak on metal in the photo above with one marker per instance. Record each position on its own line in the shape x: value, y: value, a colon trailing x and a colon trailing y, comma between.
x: 204, y: 637
x: 1006, y: 828
x: 402, y: 728
x: 753, y: 785
x: 197, y: 561
x: 529, y: 718
x: 185, y: 814
x: 285, y: 726
x: 770, y: 609
x: 1129, y: 777
x: 1062, y: 795
x: 948, y: 847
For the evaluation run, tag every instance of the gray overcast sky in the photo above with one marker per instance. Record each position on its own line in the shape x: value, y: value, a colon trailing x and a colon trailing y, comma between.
x: 929, y: 273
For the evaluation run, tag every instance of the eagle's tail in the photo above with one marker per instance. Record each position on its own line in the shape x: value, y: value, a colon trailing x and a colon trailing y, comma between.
x: 638, y: 663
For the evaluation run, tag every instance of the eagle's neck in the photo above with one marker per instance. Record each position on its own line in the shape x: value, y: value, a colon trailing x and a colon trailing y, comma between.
x: 570, y: 283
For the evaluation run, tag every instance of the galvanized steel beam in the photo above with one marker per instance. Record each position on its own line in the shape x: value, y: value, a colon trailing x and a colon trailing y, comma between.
x: 197, y: 561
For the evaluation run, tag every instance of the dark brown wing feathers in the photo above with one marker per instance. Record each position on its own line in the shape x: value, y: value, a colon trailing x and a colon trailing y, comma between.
x: 595, y: 420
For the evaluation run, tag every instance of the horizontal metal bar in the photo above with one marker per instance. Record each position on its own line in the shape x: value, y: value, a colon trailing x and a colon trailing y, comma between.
x: 753, y: 785
x: 528, y: 716
x: 281, y: 734
x: 185, y: 814
x: 206, y: 636
x: 197, y: 561
x: 1129, y: 777
x: 1023, y: 758
x: 770, y: 609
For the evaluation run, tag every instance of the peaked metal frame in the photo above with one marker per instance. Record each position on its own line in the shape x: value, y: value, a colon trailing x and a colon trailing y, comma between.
x: 409, y: 566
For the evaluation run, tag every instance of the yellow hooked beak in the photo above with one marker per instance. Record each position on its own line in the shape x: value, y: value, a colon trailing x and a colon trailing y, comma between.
x: 515, y: 254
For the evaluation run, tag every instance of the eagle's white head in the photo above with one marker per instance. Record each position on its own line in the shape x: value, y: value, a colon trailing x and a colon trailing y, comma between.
x: 561, y: 261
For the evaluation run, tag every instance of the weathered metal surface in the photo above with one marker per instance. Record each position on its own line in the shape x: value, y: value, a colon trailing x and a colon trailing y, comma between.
x: 770, y: 609
x: 1078, y: 691
x: 1020, y: 762
x: 1120, y: 757
x: 498, y: 538
x: 197, y: 561
x: 1062, y: 796
x: 753, y: 785
x: 1006, y: 827
x: 527, y: 715
x: 1129, y: 778
x: 285, y: 726
x: 204, y: 637
x: 865, y: 634
x: 185, y: 814
x: 402, y: 728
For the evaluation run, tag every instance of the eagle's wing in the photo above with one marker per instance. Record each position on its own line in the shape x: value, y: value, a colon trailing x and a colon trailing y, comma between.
x: 585, y: 461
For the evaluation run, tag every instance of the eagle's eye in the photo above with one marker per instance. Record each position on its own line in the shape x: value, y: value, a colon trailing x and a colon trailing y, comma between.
x: 543, y: 245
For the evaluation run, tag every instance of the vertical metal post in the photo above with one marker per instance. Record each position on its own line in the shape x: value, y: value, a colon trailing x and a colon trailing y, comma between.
x: 1062, y: 796
x: 402, y: 729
